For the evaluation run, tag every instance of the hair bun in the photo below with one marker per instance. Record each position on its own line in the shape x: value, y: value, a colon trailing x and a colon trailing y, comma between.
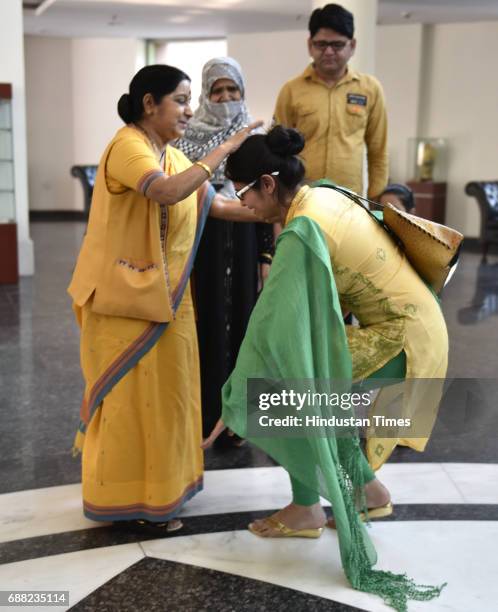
x: 125, y: 110
x: 284, y: 142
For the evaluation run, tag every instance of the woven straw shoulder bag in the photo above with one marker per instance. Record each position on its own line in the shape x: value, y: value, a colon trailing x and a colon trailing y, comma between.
x: 431, y: 248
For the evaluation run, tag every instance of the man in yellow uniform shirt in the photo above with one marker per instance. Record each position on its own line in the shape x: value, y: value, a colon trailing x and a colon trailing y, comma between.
x: 339, y: 111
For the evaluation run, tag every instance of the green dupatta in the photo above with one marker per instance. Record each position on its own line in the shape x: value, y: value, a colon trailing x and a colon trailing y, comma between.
x: 296, y: 331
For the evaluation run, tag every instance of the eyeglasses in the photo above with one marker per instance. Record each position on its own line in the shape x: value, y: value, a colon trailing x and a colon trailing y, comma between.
x: 242, y: 191
x: 335, y: 45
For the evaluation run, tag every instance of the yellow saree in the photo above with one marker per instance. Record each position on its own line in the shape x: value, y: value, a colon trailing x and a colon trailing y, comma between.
x: 140, y: 430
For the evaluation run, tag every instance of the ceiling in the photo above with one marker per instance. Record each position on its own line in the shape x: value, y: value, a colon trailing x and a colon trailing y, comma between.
x: 171, y: 19
x: 437, y: 11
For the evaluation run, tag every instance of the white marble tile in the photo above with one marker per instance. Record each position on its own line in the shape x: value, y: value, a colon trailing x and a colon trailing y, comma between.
x: 463, y: 554
x: 264, y: 488
x: 80, y: 573
x: 38, y: 512
x: 477, y: 482
x: 419, y: 483
x: 240, y: 490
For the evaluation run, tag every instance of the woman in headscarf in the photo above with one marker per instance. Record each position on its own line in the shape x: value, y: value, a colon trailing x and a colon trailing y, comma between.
x: 233, y: 258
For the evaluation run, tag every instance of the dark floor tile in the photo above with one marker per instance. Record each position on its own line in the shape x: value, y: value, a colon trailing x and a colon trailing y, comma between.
x: 9, y: 316
x: 157, y: 585
x: 217, y: 458
x: 34, y: 459
x: 38, y: 471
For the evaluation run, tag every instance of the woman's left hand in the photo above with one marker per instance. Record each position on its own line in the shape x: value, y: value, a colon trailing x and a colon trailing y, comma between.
x: 217, y: 430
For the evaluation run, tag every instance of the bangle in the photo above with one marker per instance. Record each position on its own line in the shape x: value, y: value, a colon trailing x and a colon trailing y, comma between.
x: 265, y: 258
x: 205, y: 167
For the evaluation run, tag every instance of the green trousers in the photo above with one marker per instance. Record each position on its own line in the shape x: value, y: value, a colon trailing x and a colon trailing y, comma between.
x: 307, y: 495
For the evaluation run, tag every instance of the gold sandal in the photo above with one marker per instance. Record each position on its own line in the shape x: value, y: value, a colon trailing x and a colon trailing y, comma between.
x: 373, y: 513
x: 285, y: 532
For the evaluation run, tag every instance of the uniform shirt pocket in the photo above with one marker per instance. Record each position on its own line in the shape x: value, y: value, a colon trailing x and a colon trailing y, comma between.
x: 355, y: 119
x: 307, y: 120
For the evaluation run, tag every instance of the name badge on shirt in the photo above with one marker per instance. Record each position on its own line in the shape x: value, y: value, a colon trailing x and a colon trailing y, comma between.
x: 357, y: 99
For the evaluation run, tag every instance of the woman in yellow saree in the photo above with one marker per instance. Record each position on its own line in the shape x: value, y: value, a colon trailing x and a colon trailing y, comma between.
x: 140, y: 428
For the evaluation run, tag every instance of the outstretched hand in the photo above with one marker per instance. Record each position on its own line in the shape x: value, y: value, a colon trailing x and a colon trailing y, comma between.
x: 234, y: 142
x: 217, y: 430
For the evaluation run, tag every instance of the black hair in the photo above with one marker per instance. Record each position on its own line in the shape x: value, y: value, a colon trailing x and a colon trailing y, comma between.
x: 333, y: 17
x: 266, y: 153
x: 404, y: 193
x: 158, y: 80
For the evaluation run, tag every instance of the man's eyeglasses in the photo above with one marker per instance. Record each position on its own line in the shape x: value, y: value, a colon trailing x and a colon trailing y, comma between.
x: 335, y: 45
x: 242, y: 191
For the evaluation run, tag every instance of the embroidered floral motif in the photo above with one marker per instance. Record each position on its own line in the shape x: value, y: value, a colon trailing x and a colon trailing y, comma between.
x: 410, y: 309
x: 379, y: 449
x: 381, y: 254
x: 381, y: 335
x: 354, y: 282
x: 372, y: 347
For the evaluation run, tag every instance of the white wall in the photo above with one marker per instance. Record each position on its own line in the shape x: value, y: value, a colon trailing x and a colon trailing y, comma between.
x: 439, y: 81
x: 399, y: 55
x: 456, y: 94
x: 102, y: 70
x: 74, y: 86
x: 268, y: 61
x: 12, y: 71
x: 50, y: 122
x: 462, y: 106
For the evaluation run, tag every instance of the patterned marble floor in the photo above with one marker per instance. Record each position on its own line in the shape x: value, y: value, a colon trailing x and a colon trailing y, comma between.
x: 444, y: 529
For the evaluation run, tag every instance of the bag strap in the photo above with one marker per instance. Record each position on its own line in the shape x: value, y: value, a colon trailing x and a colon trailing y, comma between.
x: 357, y: 199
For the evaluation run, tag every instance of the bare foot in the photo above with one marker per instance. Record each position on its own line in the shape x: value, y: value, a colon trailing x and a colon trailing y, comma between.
x: 292, y: 516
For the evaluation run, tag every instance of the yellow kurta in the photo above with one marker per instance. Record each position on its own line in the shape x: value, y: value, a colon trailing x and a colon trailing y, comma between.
x: 375, y: 281
x: 338, y: 123
x: 141, y: 452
